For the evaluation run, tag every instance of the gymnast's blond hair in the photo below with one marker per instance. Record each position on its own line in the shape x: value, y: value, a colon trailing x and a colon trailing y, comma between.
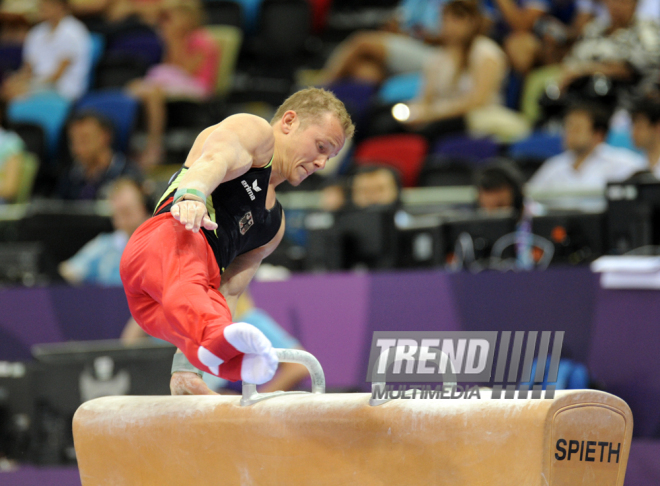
x: 311, y: 104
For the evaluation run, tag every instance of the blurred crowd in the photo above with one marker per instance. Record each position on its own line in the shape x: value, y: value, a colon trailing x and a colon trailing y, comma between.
x: 101, y: 99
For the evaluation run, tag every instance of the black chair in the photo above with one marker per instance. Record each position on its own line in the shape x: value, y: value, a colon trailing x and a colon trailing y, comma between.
x: 188, y: 114
x: 223, y: 12
x: 445, y: 171
x: 116, y: 70
x: 33, y: 136
x: 285, y: 26
x: 528, y: 166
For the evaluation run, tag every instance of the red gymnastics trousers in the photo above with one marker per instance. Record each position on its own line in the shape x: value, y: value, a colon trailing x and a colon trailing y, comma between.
x: 171, y: 279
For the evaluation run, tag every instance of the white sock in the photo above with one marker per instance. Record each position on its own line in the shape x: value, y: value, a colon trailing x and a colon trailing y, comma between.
x: 259, y: 368
x: 210, y: 360
x: 247, y: 339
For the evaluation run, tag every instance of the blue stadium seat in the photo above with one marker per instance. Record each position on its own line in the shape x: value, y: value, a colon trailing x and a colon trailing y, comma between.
x: 571, y: 375
x: 622, y: 139
x: 120, y: 108
x: 357, y: 98
x: 144, y: 45
x: 400, y: 88
x: 98, y: 46
x: 11, y: 57
x: 538, y: 145
x: 465, y: 148
x: 48, y: 110
x: 251, y: 12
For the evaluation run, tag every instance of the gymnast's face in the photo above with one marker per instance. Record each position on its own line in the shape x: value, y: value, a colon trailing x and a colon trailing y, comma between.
x: 308, y: 144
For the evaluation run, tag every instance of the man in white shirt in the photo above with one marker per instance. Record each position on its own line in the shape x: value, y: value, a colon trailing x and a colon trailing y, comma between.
x: 588, y: 162
x: 56, y: 56
x: 646, y: 132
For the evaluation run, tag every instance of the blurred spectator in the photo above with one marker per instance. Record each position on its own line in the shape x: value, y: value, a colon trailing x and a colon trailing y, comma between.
x: 11, y: 153
x: 16, y: 18
x: 56, y: 56
x: 622, y: 47
x: 189, y: 70
x: 534, y: 32
x: 375, y: 186
x: 588, y: 162
x: 646, y: 131
x: 333, y: 195
x: 499, y: 186
x: 95, y: 163
x: 98, y: 261
x: 373, y: 55
x: 596, y: 9
x: 118, y: 11
x: 463, y: 81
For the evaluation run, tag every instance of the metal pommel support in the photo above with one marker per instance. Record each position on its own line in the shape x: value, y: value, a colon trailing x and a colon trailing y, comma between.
x: 250, y: 394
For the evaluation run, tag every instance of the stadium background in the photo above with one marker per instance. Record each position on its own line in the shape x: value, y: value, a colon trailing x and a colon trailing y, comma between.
x: 339, y: 275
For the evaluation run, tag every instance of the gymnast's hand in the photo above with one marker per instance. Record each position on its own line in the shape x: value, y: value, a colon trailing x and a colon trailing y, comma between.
x: 187, y: 383
x: 192, y: 214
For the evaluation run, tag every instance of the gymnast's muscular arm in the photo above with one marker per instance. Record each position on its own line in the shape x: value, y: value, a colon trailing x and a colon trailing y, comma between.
x: 239, y: 273
x: 221, y: 153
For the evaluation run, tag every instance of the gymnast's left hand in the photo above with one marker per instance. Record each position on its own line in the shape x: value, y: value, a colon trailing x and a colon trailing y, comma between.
x: 193, y: 215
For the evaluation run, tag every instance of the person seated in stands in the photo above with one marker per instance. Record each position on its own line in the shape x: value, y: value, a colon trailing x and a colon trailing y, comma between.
x: 588, y: 162
x: 588, y: 10
x: 462, y: 82
x: 646, y: 131
x: 334, y: 194
x: 16, y: 19
x: 375, y: 186
x: 11, y: 161
x: 623, y: 47
x: 98, y: 261
x: 402, y: 46
x: 95, y: 163
x: 188, y: 71
x: 534, y: 32
x: 56, y: 56
x: 288, y: 375
x: 499, y: 186
x: 115, y: 12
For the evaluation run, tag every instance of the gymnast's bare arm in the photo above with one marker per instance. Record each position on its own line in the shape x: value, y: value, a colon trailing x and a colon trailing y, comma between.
x: 221, y: 153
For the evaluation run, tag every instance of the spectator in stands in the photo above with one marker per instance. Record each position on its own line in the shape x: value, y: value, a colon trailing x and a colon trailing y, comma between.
x: 11, y: 158
x: 402, y: 46
x: 56, y: 56
x: 288, y: 374
x: 463, y: 81
x: 533, y: 32
x: 95, y: 163
x: 333, y: 195
x: 98, y: 261
x: 499, y: 186
x: 588, y: 10
x: 646, y: 131
x: 588, y: 162
x: 188, y: 71
x: 16, y: 18
x: 119, y: 11
x: 375, y: 186
x: 622, y: 47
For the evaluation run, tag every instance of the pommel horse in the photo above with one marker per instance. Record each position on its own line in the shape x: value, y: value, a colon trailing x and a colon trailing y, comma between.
x: 579, y: 438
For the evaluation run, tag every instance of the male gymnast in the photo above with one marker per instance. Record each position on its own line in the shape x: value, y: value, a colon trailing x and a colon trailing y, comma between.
x: 218, y: 217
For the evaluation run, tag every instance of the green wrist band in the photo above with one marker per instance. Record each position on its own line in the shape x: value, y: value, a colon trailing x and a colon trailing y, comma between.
x: 180, y: 192
x: 181, y: 363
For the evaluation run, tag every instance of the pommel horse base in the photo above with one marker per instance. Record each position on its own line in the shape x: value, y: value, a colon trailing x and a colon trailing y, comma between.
x: 581, y: 437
